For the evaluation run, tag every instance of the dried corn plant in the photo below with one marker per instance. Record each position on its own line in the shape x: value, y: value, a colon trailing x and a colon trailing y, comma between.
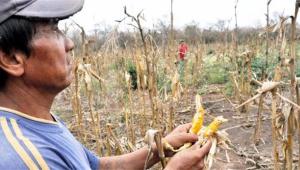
x: 84, y: 77
x: 128, y: 114
x: 294, y: 87
x: 142, y: 84
x: 267, y: 42
x: 283, y: 123
x: 151, y: 79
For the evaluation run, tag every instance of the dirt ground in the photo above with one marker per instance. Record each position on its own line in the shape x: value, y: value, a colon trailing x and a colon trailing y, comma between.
x: 240, y: 128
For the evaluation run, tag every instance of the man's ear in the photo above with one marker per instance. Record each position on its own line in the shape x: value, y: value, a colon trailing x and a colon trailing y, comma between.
x: 12, y: 64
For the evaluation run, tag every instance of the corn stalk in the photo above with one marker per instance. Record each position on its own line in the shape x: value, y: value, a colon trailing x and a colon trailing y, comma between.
x: 85, y: 68
x: 274, y: 136
x: 119, y: 150
x: 129, y: 117
x: 294, y: 86
x: 140, y: 70
x: 172, y: 26
x: 76, y: 104
x: 235, y: 35
x: 264, y: 69
x: 294, y: 92
x: 258, y: 122
x: 150, y: 72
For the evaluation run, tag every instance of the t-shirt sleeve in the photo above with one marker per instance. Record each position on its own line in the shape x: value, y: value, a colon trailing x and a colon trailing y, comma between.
x: 93, y: 159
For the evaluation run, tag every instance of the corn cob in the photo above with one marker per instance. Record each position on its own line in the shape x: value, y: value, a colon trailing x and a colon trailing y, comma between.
x: 198, y: 117
x: 213, y: 127
x: 197, y: 123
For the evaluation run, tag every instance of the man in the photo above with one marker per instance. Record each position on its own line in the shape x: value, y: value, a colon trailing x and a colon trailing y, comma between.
x: 34, y: 67
x: 182, y: 50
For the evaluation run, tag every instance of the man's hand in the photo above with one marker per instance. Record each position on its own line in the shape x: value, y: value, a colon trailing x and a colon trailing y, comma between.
x: 179, y: 136
x: 189, y: 159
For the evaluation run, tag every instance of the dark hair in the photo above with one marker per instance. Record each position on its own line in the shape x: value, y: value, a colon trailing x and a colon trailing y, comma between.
x: 16, y: 34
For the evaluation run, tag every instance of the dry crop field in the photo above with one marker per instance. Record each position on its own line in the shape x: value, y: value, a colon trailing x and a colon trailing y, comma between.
x: 127, y: 83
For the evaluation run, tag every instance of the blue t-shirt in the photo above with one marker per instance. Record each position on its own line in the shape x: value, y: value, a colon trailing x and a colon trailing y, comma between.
x: 30, y: 143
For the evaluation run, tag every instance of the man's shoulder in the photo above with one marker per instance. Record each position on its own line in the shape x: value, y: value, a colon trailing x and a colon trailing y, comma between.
x: 12, y: 147
x: 31, y: 144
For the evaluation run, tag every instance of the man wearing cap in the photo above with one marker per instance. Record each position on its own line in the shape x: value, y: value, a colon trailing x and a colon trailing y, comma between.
x: 34, y: 67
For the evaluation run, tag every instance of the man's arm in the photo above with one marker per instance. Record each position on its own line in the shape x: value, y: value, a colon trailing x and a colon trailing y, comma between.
x: 188, y: 159
x: 136, y: 159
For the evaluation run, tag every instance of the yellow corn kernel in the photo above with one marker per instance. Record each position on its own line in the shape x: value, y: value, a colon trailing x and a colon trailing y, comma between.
x: 197, y: 121
x: 214, y: 126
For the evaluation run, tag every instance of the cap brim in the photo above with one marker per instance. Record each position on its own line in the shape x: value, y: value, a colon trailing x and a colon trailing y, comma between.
x: 51, y: 9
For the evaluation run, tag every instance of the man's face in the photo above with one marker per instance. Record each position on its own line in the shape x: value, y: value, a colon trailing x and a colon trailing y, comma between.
x: 49, y: 65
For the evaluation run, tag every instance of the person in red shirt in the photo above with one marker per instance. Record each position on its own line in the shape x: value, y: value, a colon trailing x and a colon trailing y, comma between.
x: 182, y: 50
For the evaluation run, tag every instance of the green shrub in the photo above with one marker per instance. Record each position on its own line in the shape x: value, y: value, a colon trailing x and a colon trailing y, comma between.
x: 229, y: 88
x: 163, y: 80
x: 213, y: 71
x: 216, y: 74
x: 259, y: 62
x: 131, y: 69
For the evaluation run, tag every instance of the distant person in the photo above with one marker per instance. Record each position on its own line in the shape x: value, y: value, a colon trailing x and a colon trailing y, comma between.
x: 35, y: 66
x: 182, y: 51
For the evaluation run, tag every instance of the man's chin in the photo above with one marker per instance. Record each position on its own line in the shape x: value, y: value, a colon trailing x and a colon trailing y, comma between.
x: 64, y: 85
x: 68, y: 82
